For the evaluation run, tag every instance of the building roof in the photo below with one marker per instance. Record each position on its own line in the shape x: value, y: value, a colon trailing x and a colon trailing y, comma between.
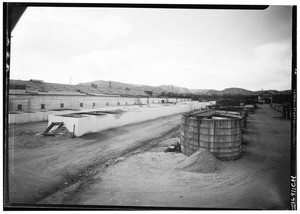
x: 44, y: 88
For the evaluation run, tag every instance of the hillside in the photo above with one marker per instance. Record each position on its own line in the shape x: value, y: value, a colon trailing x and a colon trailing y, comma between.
x: 175, y: 89
x: 239, y: 91
x: 206, y: 92
x: 181, y: 90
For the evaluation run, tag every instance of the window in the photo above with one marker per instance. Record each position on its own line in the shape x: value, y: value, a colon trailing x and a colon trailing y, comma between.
x: 81, y: 104
x: 19, y: 107
x: 94, y: 104
x: 118, y: 103
x: 42, y: 106
x: 107, y: 104
x: 126, y: 103
x: 61, y: 105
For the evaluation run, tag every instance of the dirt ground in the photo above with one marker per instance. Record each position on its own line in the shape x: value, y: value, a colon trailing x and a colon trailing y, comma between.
x: 40, y: 166
x: 127, y: 166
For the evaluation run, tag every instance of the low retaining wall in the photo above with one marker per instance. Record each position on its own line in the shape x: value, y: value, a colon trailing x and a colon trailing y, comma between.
x: 88, y: 123
x: 19, y: 118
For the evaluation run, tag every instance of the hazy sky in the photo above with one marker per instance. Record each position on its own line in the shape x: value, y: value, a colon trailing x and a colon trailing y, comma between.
x: 197, y: 49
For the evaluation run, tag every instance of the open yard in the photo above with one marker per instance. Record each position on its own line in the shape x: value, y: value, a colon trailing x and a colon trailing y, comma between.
x: 127, y: 166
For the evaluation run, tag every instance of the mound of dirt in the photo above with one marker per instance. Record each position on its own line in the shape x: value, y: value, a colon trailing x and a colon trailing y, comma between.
x: 201, y: 161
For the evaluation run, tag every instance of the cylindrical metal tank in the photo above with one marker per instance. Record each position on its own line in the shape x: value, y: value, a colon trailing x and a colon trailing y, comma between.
x: 221, y: 135
x: 250, y: 108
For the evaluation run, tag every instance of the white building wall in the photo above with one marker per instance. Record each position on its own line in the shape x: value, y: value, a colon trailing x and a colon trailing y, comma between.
x: 32, y: 103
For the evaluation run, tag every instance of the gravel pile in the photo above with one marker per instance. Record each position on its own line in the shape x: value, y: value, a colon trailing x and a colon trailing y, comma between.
x: 201, y: 161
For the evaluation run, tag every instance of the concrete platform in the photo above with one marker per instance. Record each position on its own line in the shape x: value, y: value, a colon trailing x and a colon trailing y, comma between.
x: 39, y: 116
x: 80, y: 123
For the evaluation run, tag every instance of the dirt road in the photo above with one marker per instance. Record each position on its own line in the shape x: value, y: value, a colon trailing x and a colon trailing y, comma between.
x: 258, y: 180
x: 41, y: 166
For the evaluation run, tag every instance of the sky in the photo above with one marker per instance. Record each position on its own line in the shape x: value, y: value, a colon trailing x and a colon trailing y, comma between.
x: 197, y: 49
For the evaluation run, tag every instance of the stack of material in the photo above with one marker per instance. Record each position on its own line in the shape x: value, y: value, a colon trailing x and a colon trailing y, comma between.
x: 202, y: 161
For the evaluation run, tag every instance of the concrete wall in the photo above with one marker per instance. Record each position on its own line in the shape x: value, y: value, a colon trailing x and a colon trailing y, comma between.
x: 91, y: 123
x: 32, y: 103
x: 32, y: 117
x: 195, y: 105
x: 23, y: 117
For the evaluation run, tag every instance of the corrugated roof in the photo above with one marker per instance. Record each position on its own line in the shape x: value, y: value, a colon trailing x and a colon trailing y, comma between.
x: 16, y: 91
x: 65, y: 89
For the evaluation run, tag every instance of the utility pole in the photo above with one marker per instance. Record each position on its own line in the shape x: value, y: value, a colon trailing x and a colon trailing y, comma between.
x: 70, y: 80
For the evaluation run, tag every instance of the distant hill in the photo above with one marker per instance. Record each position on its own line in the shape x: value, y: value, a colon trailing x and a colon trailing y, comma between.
x: 180, y: 90
x: 128, y: 86
x: 206, y: 92
x: 175, y: 89
x: 239, y: 91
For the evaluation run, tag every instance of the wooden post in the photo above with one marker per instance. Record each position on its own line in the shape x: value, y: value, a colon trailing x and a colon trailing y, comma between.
x: 73, y: 131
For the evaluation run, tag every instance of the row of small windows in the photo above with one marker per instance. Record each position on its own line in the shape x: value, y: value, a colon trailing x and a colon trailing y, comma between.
x: 43, y: 106
x: 20, y: 107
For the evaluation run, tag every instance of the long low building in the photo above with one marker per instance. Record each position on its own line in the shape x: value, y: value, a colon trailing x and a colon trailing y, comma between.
x: 36, y: 95
x: 35, y: 100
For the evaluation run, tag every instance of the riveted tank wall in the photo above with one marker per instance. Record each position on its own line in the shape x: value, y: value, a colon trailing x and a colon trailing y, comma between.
x: 222, y: 136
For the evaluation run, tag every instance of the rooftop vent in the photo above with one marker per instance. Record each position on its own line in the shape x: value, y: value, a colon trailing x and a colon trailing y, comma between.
x: 36, y: 81
x: 43, y: 90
